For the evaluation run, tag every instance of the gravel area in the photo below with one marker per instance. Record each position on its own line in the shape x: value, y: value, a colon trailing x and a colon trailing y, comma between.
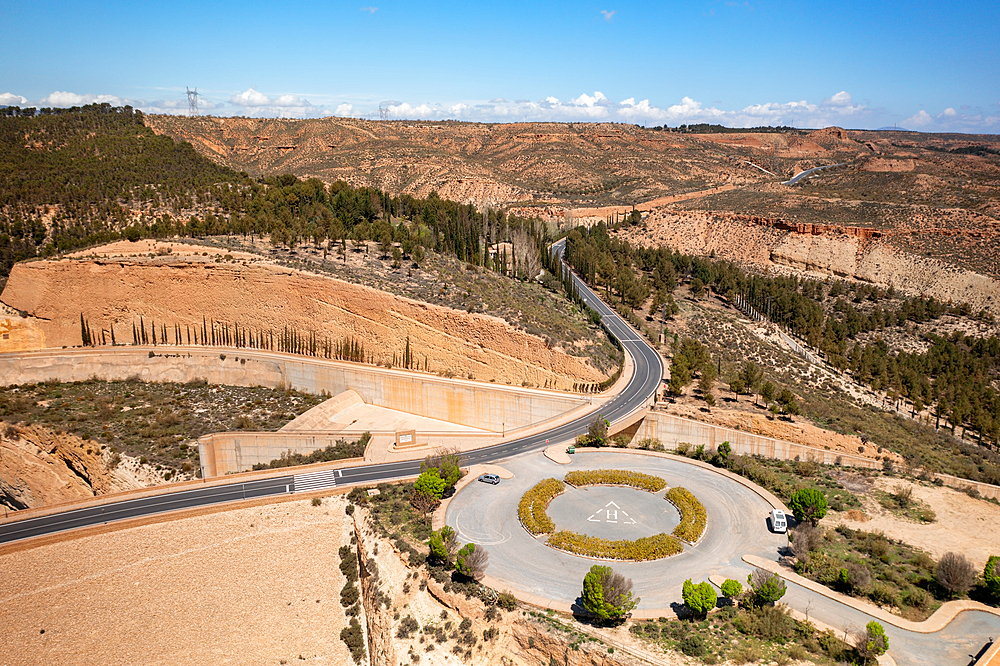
x: 248, y: 586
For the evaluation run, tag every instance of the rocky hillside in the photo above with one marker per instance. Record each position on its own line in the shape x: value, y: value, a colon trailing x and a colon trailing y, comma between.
x: 116, y: 291
x: 39, y: 466
x: 932, y: 195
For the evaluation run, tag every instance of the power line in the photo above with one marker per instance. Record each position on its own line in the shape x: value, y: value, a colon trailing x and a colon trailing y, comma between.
x: 192, y: 102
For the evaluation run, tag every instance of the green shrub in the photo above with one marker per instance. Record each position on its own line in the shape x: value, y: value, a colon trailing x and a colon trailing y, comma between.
x: 991, y: 575
x: 406, y: 627
x: 354, y: 639
x: 732, y: 589
x: 692, y: 645
x: 607, y: 594
x: 507, y: 601
x: 349, y: 594
x: 700, y: 598
x: 693, y: 515
x: 616, y: 477
x: 808, y: 504
x: 531, y: 508
x: 647, y: 548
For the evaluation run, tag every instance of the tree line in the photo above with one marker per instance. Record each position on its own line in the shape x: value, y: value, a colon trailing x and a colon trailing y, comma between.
x: 72, y: 178
x: 956, y: 376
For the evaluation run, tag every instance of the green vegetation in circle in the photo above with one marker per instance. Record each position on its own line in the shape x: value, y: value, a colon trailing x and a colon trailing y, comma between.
x: 531, y: 508
x: 694, y: 518
x: 616, y: 477
x: 639, y: 550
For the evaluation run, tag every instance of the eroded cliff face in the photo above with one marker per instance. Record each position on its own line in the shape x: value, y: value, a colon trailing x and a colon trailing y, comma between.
x: 39, y: 467
x: 817, y: 250
x: 182, y: 293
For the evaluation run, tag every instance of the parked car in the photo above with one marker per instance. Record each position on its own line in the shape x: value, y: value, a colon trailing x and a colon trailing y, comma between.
x: 779, y: 523
x: 490, y: 478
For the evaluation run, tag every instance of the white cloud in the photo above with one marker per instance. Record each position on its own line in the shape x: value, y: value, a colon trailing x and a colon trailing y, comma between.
x: 250, y: 97
x: 951, y: 120
x: 344, y: 109
x: 63, y: 99
x: 10, y: 99
x: 370, y: 10
x: 282, y: 106
x: 608, y: 14
x: 919, y: 120
x: 843, y: 98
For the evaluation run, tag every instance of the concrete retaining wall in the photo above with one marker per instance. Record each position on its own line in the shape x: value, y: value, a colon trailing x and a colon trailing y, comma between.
x: 476, y: 404
x: 671, y: 429
x: 985, y: 489
x: 224, y: 453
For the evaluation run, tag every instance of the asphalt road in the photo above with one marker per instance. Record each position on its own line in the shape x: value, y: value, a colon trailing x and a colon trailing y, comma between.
x: 737, y: 525
x: 802, y: 174
x: 636, y: 395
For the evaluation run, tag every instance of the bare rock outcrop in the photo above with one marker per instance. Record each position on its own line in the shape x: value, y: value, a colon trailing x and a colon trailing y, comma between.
x: 180, y: 293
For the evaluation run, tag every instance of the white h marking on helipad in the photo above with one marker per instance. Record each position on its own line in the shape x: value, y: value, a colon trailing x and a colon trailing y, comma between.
x: 611, y: 515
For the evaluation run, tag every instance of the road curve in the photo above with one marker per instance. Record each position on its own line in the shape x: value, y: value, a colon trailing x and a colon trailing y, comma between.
x: 646, y: 378
x: 802, y: 174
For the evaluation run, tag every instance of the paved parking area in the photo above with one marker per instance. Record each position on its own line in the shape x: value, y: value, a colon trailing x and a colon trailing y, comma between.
x: 737, y: 524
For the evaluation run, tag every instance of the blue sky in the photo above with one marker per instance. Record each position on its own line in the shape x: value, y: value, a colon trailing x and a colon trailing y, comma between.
x: 928, y: 66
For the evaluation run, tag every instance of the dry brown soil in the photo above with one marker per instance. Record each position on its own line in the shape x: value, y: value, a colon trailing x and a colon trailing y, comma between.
x: 257, y: 585
x: 39, y: 466
x: 247, y: 586
x: 964, y: 525
x: 119, y: 289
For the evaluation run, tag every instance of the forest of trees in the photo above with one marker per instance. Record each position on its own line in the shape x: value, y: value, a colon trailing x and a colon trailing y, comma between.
x: 88, y: 168
x: 956, y: 377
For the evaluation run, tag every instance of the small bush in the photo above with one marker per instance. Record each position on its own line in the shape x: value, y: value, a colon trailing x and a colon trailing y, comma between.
x: 955, y: 573
x: 349, y: 594
x: 767, y: 622
x: 407, y: 626
x: 646, y: 548
x: 531, y: 508
x: 693, y: 515
x: 353, y: 638
x: 317, y: 501
x: 692, y: 645
x: 507, y: 601
x: 616, y: 477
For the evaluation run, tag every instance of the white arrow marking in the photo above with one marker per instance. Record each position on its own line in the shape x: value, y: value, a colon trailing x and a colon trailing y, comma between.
x: 593, y: 519
x: 612, y: 504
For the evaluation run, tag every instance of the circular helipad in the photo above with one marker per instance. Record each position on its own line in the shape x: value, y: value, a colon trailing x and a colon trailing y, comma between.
x: 613, y: 512
x: 487, y: 514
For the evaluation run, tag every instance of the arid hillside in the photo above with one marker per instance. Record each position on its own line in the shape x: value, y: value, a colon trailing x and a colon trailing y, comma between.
x: 39, y: 466
x: 934, y: 195
x: 182, y: 292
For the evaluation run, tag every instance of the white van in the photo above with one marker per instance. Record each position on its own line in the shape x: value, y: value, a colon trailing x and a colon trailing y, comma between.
x: 778, y: 522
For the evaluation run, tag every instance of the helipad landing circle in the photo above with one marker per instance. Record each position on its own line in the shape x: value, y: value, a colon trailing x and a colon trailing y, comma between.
x: 613, y: 512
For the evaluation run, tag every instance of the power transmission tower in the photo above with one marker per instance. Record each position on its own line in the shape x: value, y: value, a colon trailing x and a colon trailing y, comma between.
x: 192, y: 102
x: 384, y: 112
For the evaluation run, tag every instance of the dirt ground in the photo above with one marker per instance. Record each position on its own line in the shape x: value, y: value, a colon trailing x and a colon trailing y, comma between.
x: 964, y: 525
x: 249, y: 586
x: 115, y: 290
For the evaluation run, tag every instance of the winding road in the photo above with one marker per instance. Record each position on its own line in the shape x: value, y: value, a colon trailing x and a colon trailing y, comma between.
x: 737, y: 531
x: 646, y: 378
